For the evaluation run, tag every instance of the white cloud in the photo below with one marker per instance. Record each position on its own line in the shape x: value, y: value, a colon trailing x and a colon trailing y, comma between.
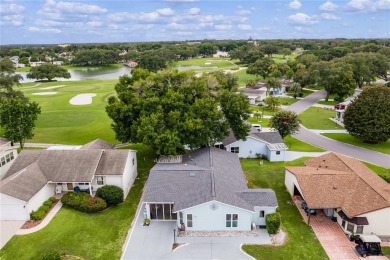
x: 328, y: 16
x: 51, y: 6
x: 94, y: 24
x: 223, y: 27
x: 368, y: 5
x: 244, y: 27
x: 165, y: 11
x: 303, y: 19
x: 142, y: 27
x: 242, y: 11
x: 183, y: 33
x: 15, y: 19
x: 193, y: 11
x: 123, y: 17
x: 176, y: 26
x: 50, y: 30
x: 383, y: 5
x: 328, y: 6
x: 295, y: 4
x: 11, y: 8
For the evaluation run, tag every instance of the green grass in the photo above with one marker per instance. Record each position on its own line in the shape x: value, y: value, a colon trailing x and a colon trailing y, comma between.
x: 90, y: 236
x: 301, y: 241
x: 263, y: 121
x: 330, y: 102
x: 287, y: 101
x: 305, y: 93
x: 263, y: 110
x: 383, y: 147
x: 243, y: 77
x: 206, y: 63
x: 63, y: 123
x: 278, y: 58
x: 318, y: 118
x: 386, y: 251
x: 294, y: 144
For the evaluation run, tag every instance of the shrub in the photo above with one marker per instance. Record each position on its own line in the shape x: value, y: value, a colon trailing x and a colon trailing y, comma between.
x: 112, y: 194
x: 37, y: 215
x: 48, y: 203
x: 272, y: 223
x: 385, y: 176
x: 82, y: 201
x: 52, y: 255
x: 52, y: 199
x: 300, y: 94
x: 44, y: 208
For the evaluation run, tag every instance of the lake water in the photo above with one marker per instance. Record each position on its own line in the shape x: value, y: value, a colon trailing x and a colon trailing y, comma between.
x: 88, y: 73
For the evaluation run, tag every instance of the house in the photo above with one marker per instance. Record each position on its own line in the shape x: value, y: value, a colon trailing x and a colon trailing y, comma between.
x: 8, y: 154
x: 221, y: 54
x: 254, y: 95
x: 58, y: 62
x: 346, y: 190
x: 36, y: 63
x: 131, y: 64
x: 37, y: 175
x: 340, y: 110
x: 257, y: 144
x: 205, y: 190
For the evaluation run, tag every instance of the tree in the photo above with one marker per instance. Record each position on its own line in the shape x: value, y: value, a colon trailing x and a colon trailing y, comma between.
x: 48, y: 71
x: 261, y: 67
x: 286, y: 122
x: 272, y: 103
x: 295, y: 87
x: 285, y: 52
x: 17, y: 118
x: 272, y: 83
x: 95, y: 57
x: 368, y: 116
x: 152, y: 62
x: 8, y: 79
x: 169, y: 109
x: 207, y: 49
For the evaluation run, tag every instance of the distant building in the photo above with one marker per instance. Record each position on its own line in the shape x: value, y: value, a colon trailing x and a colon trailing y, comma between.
x: 221, y: 54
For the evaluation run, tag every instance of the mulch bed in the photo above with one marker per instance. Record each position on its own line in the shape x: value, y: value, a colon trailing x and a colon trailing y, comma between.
x: 33, y: 223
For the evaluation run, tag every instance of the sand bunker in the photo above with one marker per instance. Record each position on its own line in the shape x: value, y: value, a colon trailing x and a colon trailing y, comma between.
x: 207, y: 63
x: 44, y: 93
x: 53, y: 87
x: 82, y: 99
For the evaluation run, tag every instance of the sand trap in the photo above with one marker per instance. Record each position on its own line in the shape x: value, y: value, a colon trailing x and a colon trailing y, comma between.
x: 207, y: 63
x: 44, y: 93
x: 53, y: 87
x: 37, y: 84
x: 82, y: 99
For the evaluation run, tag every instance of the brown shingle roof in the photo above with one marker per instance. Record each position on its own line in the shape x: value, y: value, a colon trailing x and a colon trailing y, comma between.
x: 337, y: 181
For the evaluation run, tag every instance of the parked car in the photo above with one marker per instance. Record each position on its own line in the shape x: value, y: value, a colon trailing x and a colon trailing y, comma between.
x: 257, y: 126
x: 369, y: 245
x: 339, y: 106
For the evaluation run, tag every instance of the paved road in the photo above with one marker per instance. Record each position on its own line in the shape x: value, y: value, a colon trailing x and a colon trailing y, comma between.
x: 332, y: 145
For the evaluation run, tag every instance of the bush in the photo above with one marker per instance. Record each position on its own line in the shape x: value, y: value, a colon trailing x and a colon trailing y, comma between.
x: 82, y: 201
x: 48, y: 203
x: 37, y: 215
x: 272, y: 223
x: 52, y: 255
x: 112, y: 194
x: 300, y: 94
x: 44, y: 208
x: 52, y: 199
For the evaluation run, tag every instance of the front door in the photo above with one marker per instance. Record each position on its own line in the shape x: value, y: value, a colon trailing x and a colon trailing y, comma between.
x: 70, y: 186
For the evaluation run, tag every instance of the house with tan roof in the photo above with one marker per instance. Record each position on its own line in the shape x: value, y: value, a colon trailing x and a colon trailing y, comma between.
x: 345, y: 189
x: 8, y: 154
x: 37, y: 175
x: 205, y: 190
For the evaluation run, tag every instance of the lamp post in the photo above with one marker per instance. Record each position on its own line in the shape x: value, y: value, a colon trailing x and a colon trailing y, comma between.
x: 174, y: 235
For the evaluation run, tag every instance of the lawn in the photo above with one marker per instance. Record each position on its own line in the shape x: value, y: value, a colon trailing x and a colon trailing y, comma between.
x: 206, y: 63
x: 386, y: 251
x: 90, y: 236
x: 305, y: 93
x: 294, y: 144
x: 287, y: 101
x: 301, y: 241
x: 318, y: 118
x: 243, y: 77
x: 63, y: 123
x: 384, y: 173
x: 330, y: 102
x: 347, y: 138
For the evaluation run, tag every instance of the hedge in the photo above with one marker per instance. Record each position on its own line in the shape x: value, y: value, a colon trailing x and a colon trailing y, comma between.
x: 41, y: 212
x: 272, y: 223
x: 112, y: 194
x: 82, y: 201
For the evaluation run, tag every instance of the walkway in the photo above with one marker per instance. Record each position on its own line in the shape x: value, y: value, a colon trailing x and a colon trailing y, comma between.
x: 44, y: 222
x: 308, y: 101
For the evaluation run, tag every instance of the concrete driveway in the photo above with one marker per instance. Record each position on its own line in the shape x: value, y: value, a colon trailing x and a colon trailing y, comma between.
x: 155, y: 242
x: 8, y: 229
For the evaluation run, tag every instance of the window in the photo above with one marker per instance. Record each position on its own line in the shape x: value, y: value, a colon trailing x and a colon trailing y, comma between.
x: 83, y: 183
x: 231, y: 220
x: 359, y: 229
x: 7, y: 157
x: 350, y: 227
x: 133, y: 161
x: 343, y: 224
x: 277, y: 152
x: 2, y: 160
x: 235, y: 149
x: 189, y: 220
x: 12, y: 155
x: 261, y: 215
x: 181, y: 218
x: 100, y: 180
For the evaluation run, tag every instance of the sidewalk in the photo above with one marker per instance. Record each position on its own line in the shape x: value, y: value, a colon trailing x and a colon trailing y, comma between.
x: 44, y: 223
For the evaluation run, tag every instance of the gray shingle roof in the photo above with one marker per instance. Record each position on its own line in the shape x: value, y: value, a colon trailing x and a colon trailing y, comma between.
x: 217, y: 176
x: 268, y: 137
x: 97, y: 144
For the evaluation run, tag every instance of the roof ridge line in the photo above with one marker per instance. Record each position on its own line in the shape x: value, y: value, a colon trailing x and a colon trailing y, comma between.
x: 97, y: 165
x: 213, y: 193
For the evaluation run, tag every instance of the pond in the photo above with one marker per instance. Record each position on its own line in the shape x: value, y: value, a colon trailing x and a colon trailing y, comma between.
x: 89, y: 73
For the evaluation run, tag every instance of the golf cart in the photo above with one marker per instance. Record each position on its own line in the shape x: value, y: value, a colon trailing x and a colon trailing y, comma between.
x: 368, y: 245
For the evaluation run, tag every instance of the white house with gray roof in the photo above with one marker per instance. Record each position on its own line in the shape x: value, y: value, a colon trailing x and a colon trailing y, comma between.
x: 8, y: 154
x: 37, y: 175
x: 206, y: 190
x: 257, y: 144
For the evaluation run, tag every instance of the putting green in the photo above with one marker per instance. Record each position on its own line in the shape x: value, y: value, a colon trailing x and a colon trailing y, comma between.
x: 63, y: 123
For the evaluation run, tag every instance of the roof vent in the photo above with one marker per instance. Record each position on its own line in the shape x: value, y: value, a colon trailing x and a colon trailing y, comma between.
x: 192, y: 174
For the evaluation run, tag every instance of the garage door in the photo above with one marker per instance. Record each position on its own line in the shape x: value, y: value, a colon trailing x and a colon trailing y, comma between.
x: 13, y: 212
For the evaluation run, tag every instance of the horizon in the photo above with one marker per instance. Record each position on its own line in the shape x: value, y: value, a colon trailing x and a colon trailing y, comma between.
x: 101, y: 21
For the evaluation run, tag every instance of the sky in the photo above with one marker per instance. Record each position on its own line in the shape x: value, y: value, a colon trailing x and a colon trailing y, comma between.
x: 81, y: 21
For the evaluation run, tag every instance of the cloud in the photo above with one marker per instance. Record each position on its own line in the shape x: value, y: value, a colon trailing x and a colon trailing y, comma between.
x: 383, y: 5
x: 302, y: 19
x: 11, y: 8
x: 123, y: 17
x: 15, y: 19
x: 242, y: 11
x: 94, y: 24
x: 328, y: 6
x: 49, y: 30
x: 244, y: 27
x: 193, y: 11
x: 176, y: 26
x: 165, y: 11
x: 223, y: 27
x: 368, y: 5
x: 295, y: 4
x: 53, y: 7
x: 328, y: 16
